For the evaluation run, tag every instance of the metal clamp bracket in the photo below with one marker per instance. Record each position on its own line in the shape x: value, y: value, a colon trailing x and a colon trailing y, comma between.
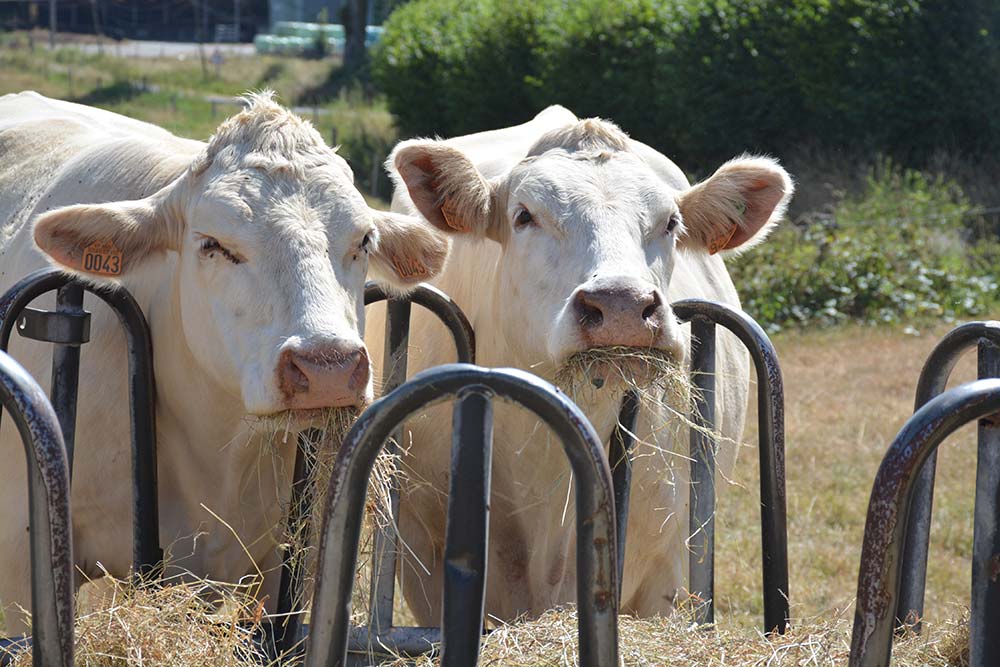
x: 64, y: 328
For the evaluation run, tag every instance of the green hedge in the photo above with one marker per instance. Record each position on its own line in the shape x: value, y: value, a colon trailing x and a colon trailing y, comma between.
x: 903, y: 250
x: 704, y: 79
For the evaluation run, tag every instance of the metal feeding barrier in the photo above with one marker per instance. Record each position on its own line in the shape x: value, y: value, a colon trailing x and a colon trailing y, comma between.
x: 894, y: 493
x: 466, y: 533
x: 705, y: 316
x: 49, y: 526
x: 985, y: 336
x: 67, y: 328
x: 397, y: 333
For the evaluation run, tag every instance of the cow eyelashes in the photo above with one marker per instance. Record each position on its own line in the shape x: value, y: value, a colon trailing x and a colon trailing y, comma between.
x: 211, y: 247
x: 673, y: 222
x: 523, y: 219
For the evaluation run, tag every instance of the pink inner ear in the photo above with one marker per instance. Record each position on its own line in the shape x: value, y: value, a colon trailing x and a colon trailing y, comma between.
x: 422, y: 182
x: 761, y: 198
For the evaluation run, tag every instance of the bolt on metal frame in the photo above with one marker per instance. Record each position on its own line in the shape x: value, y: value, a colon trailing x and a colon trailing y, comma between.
x: 49, y: 525
x: 465, y: 553
x: 68, y: 327
x: 894, y: 492
x: 397, y: 331
x: 933, y: 379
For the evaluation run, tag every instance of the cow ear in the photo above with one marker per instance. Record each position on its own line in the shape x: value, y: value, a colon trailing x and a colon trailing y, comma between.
x: 737, y: 206
x: 406, y: 251
x: 107, y: 240
x: 446, y: 188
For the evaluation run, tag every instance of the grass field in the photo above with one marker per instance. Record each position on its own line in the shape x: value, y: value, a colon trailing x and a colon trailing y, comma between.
x: 848, y: 390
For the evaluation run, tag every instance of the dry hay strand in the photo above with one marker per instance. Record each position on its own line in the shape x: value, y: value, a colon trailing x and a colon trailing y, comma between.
x: 300, y: 539
x: 181, y: 624
x: 663, y: 385
x: 551, y: 641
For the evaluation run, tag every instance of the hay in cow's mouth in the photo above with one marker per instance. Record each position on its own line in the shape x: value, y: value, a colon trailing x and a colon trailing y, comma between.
x: 301, y: 537
x: 655, y: 376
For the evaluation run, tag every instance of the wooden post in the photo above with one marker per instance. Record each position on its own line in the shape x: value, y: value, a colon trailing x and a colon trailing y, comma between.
x: 52, y: 24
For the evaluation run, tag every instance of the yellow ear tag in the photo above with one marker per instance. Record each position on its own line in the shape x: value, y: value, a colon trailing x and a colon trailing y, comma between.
x: 721, y: 243
x: 103, y: 258
x: 409, y: 268
x: 451, y: 216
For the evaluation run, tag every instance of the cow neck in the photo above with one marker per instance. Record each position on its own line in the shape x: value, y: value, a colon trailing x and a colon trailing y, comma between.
x: 193, y: 412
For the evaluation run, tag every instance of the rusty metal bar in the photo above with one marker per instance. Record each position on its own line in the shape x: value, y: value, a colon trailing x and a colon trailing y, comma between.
x: 146, y: 552
x: 701, y: 509
x: 49, y: 524
x: 933, y: 380
x: 597, y: 585
x: 770, y: 447
x: 66, y: 369
x: 467, y: 528
x: 893, y: 492
x: 984, y: 619
x: 620, y: 458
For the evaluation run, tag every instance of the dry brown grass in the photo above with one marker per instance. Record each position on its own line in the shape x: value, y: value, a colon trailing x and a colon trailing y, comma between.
x: 848, y: 391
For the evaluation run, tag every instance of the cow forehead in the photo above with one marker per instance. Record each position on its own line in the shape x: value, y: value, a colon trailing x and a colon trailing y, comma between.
x: 571, y: 185
x: 260, y: 199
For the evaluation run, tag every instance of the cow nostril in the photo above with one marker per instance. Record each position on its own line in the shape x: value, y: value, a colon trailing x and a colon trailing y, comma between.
x: 590, y: 316
x: 295, y: 379
x: 651, y: 311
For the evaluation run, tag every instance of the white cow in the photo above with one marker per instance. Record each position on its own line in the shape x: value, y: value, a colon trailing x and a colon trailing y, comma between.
x: 248, y: 255
x: 573, y: 237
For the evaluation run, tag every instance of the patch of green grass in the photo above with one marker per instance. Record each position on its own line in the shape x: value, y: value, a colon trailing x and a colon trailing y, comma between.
x: 176, y: 94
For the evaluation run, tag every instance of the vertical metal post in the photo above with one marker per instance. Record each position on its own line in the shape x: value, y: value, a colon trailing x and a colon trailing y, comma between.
x: 984, y: 640
x: 701, y: 559
x: 293, y: 568
x: 467, y: 529
x: 397, y: 342
x: 620, y: 458
x: 66, y: 370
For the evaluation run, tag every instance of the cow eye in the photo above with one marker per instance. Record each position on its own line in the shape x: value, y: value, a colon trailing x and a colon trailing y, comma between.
x: 673, y: 222
x: 366, y: 242
x: 211, y: 247
x: 523, y: 219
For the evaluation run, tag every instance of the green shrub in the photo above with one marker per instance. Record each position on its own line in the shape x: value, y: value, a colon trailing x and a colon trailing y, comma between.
x: 899, y: 252
x: 705, y: 79
x: 457, y: 66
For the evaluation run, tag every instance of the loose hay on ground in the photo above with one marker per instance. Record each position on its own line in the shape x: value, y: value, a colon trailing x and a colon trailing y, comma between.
x: 204, y: 624
x: 551, y: 641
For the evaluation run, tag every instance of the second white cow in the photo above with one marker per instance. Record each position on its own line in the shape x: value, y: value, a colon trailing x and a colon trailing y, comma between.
x: 249, y: 256
x: 572, y: 236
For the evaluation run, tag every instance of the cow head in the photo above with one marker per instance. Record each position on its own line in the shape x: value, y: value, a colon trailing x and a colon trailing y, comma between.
x: 589, y: 232
x: 270, y: 244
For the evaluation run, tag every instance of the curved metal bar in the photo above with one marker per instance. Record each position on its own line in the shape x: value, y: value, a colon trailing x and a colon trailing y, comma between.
x: 49, y: 524
x: 146, y: 551
x: 892, y: 495
x: 933, y: 380
x: 394, y: 361
x: 597, y: 585
x: 441, y: 305
x: 771, y: 450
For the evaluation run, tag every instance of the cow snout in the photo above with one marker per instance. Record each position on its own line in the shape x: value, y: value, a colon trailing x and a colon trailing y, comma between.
x: 331, y: 375
x: 617, y: 312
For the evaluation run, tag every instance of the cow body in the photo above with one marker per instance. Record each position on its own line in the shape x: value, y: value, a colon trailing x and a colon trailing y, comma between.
x: 495, y: 278
x: 237, y: 337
